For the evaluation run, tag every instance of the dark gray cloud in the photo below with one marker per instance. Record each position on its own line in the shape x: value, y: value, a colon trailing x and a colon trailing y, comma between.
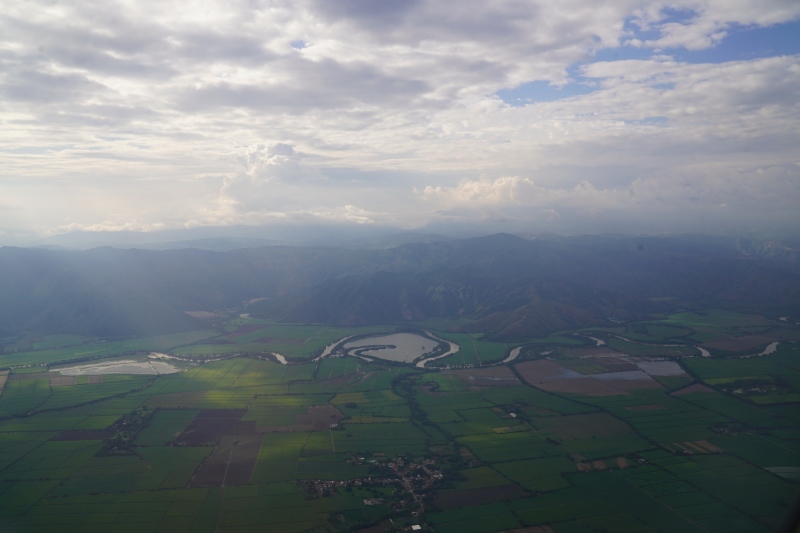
x: 367, y: 13
x: 314, y: 84
x: 41, y: 87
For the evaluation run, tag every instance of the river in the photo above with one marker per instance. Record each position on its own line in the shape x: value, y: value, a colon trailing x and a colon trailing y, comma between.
x: 452, y: 348
x: 329, y: 348
x: 281, y: 359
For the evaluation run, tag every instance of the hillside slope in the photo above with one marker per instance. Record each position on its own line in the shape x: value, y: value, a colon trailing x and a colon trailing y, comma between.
x: 509, y: 286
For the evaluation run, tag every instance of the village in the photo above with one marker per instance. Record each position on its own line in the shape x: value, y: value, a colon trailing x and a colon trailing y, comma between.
x: 412, y: 481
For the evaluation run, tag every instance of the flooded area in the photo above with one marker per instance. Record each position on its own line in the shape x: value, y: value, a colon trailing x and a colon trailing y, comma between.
x: 281, y: 359
x: 120, y: 367
x: 398, y: 347
x: 661, y: 368
x: 329, y: 348
x: 772, y: 348
x: 451, y: 349
x: 513, y: 355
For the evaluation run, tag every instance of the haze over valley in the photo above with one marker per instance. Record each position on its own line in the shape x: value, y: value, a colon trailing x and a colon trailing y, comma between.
x: 519, y: 266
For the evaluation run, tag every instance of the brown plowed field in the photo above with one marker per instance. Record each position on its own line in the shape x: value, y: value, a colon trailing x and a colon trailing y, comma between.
x: 585, y: 386
x: 62, y: 381
x: 317, y: 418
x: 209, y: 425
x: 695, y: 387
x: 231, y: 463
x: 740, y: 344
x: 246, y: 427
x: 205, y: 431
x: 707, y: 445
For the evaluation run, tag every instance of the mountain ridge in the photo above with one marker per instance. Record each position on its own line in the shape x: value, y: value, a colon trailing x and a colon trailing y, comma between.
x: 506, y: 285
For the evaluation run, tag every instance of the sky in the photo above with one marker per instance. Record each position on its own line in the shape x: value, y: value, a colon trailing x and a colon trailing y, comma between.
x: 573, y: 116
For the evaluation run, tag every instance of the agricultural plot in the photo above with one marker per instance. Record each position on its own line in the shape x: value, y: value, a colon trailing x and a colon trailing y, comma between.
x: 391, y: 438
x: 497, y: 376
x: 165, y: 426
x: 553, y: 377
x: 54, y: 349
x: 231, y: 463
x: 650, y: 350
x: 539, y: 475
x: 656, y: 333
x: 588, y: 440
x: 337, y: 368
x: 597, y: 361
x: 721, y: 320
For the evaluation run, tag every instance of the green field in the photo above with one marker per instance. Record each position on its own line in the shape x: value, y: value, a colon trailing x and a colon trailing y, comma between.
x: 247, y: 444
x: 473, y: 351
x: 714, y: 324
x: 295, y: 342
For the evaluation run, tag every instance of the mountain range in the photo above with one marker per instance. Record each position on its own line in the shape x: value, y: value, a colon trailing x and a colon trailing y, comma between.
x: 503, y: 285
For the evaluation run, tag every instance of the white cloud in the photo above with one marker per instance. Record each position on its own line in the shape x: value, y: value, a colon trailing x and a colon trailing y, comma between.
x: 715, y: 197
x: 263, y: 172
x: 119, y: 113
x: 507, y: 189
x: 706, y: 22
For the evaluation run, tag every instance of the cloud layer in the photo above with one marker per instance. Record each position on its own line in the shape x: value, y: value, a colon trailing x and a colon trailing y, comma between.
x: 148, y: 115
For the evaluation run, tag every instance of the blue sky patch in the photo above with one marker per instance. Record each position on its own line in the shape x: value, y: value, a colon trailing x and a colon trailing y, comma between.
x: 542, y: 91
x: 740, y: 44
x: 650, y: 121
x: 745, y: 43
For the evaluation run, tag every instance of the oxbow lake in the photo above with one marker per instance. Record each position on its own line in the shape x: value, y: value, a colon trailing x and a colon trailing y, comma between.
x: 408, y: 346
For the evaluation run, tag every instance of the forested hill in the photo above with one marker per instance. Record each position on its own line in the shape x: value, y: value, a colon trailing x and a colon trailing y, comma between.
x: 508, y: 286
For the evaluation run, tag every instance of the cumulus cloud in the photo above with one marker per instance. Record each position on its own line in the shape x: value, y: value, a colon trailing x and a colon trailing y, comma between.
x: 513, y: 189
x: 262, y: 172
x: 717, y: 197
